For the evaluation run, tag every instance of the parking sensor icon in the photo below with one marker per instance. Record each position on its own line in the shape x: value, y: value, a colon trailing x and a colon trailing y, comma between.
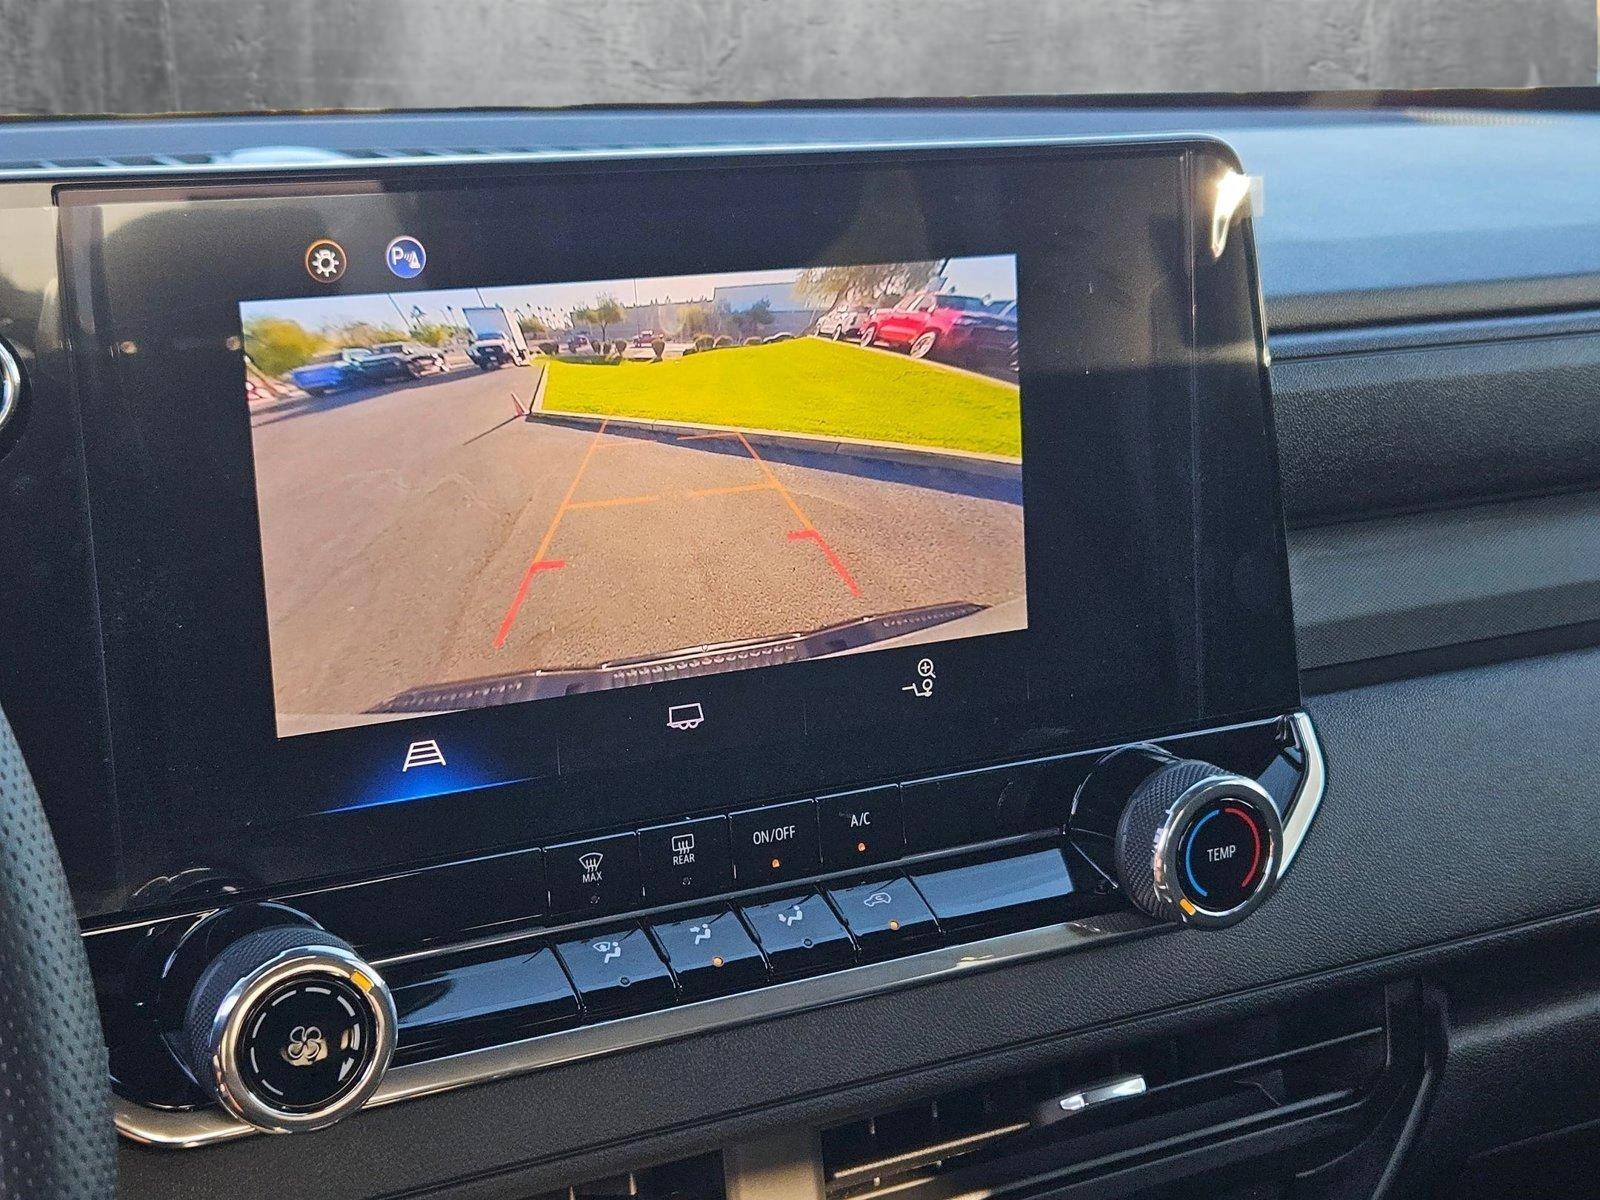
x: 406, y: 257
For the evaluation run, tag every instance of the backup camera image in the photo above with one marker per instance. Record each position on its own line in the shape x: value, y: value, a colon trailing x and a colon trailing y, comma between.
x: 486, y: 496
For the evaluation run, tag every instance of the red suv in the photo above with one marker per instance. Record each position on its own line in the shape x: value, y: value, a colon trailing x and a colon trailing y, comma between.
x: 960, y: 329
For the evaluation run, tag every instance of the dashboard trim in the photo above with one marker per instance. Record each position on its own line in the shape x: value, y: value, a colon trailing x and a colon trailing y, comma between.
x: 206, y: 1127
x: 323, y: 162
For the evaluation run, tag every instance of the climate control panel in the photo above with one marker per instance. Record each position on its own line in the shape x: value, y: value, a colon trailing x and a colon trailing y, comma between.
x: 284, y: 1014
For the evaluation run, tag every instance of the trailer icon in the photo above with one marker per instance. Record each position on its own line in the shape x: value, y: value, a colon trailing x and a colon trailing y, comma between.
x: 685, y: 716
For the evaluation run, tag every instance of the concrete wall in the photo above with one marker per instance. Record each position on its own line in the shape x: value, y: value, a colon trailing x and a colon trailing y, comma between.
x: 162, y: 55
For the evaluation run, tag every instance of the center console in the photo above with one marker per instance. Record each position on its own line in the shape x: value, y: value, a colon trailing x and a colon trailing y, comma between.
x: 558, y: 604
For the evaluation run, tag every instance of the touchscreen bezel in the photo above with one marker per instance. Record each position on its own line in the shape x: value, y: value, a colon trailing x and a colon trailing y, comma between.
x: 1180, y: 618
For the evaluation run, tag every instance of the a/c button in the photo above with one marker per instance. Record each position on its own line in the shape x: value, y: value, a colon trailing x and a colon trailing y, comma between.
x: 774, y: 843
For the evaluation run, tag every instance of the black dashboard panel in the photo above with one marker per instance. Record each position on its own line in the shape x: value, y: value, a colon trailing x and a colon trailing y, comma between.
x: 1449, y: 749
x: 1424, y: 863
x: 963, y: 798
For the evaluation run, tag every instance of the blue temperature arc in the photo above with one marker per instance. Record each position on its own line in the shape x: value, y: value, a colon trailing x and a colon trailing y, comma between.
x: 1188, y: 851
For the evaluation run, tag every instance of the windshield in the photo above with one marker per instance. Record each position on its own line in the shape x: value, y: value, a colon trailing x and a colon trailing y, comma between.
x: 962, y: 303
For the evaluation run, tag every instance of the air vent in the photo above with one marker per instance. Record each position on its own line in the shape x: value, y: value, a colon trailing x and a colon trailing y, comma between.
x: 1224, y: 1105
x: 697, y: 1178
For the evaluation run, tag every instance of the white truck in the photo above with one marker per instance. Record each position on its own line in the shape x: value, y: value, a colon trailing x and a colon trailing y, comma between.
x: 496, y: 338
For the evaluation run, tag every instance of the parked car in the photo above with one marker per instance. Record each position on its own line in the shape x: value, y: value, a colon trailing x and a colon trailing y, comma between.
x: 644, y: 337
x: 401, y: 360
x: 1007, y: 311
x: 579, y: 345
x: 843, y: 322
x: 330, y: 371
x: 942, y: 325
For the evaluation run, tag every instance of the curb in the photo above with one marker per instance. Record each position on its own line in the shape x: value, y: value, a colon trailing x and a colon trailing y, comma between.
x: 996, y: 465
x: 536, y: 401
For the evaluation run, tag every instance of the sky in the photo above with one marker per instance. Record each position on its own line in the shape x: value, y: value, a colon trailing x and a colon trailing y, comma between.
x: 994, y: 276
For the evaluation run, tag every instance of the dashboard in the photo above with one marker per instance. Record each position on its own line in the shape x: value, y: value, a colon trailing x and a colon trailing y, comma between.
x: 662, y: 661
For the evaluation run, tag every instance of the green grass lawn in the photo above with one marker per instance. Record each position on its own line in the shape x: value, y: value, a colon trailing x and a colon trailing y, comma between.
x: 802, y: 386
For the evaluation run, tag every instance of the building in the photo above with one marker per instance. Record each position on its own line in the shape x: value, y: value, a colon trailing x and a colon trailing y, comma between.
x: 790, y: 313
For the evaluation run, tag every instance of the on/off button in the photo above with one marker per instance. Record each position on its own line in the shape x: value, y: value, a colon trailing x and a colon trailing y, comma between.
x: 775, y: 843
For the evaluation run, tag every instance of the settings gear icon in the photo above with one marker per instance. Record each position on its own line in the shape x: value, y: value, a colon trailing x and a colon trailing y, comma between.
x: 325, y: 260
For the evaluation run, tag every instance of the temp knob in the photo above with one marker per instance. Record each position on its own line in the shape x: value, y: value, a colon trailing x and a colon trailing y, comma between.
x: 289, y: 1030
x: 1198, y: 844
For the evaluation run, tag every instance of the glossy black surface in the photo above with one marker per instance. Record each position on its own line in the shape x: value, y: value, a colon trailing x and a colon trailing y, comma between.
x: 617, y: 971
x: 967, y: 806
x: 800, y: 934
x: 1130, y: 414
x: 885, y: 916
x: 1004, y: 893
x: 710, y: 953
x: 455, y: 1003
x: 449, y: 901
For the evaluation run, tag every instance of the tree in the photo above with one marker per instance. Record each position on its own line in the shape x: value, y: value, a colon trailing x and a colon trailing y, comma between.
x: 277, y: 345
x: 365, y: 333
x: 431, y: 333
x: 697, y: 319
x: 751, y: 321
x: 532, y: 326
x: 607, y: 311
x: 870, y: 284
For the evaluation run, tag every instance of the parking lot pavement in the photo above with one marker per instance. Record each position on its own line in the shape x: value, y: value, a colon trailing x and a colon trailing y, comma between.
x: 427, y: 533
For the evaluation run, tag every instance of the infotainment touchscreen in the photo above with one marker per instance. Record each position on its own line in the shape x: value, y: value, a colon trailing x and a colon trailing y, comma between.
x: 446, y: 510
x: 487, y: 495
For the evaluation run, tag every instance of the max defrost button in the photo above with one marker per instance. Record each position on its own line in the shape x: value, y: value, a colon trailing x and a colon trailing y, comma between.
x: 776, y: 843
x: 617, y: 971
x: 594, y: 877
